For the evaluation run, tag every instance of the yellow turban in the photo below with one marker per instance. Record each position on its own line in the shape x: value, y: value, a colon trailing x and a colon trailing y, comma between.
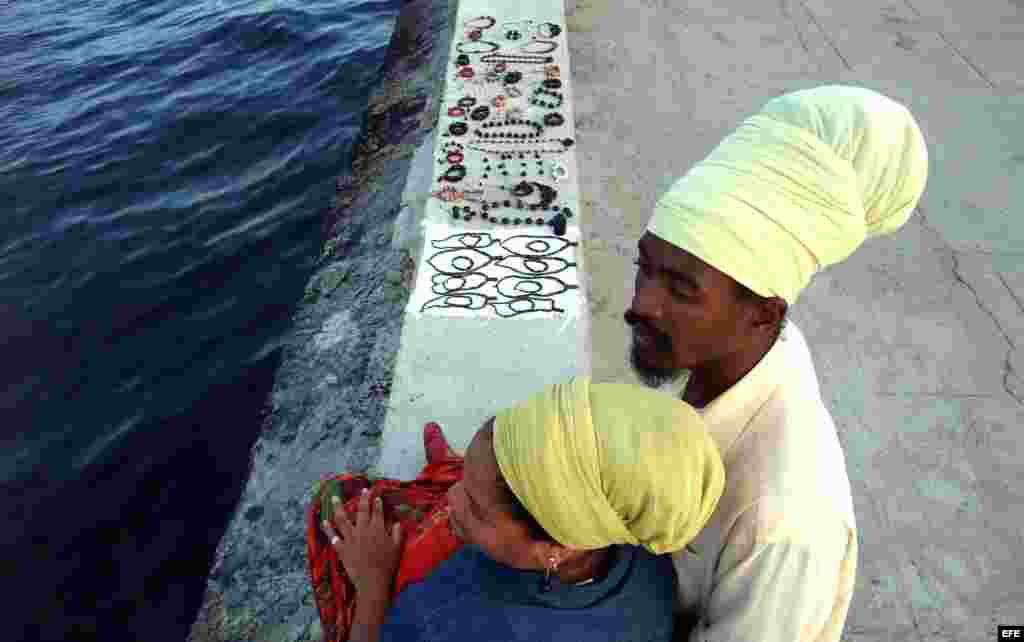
x: 603, y: 464
x: 798, y: 187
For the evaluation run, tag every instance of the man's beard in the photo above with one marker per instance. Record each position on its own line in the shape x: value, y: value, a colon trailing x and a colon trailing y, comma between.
x: 652, y: 376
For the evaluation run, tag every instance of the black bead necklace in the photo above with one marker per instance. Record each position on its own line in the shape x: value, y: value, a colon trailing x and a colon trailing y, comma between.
x: 513, y: 122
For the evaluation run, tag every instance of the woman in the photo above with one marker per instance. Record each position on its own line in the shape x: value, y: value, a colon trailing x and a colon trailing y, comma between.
x: 565, y: 502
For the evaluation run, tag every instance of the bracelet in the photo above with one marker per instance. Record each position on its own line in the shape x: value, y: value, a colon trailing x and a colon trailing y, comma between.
x: 494, y: 47
x: 552, y: 30
x: 489, y: 24
x: 458, y: 175
x: 553, y: 46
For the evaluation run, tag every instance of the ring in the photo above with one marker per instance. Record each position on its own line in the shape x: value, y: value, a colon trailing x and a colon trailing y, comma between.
x: 335, y: 540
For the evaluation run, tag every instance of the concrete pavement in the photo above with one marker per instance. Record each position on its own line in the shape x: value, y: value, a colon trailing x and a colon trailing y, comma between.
x: 915, y: 337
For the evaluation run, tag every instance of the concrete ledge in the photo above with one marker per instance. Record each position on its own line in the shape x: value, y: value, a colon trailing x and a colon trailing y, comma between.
x: 459, y: 367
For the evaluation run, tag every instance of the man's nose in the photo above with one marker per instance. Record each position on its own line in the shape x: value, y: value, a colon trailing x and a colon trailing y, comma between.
x: 647, y: 301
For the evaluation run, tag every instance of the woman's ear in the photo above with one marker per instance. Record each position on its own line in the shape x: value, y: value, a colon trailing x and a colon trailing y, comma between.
x: 542, y: 552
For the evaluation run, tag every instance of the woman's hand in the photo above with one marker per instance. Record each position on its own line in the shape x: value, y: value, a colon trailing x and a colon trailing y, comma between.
x: 369, y: 554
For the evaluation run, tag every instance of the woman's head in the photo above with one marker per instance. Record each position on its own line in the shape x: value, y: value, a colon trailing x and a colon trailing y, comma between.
x: 485, y: 512
x: 593, y: 466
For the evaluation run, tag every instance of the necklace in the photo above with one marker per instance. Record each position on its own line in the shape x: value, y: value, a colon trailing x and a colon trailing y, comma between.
x: 513, y: 122
x: 493, y: 57
x: 499, y: 151
x: 565, y: 142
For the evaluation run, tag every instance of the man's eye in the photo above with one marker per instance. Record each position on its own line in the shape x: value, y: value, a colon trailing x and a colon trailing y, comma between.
x: 680, y: 292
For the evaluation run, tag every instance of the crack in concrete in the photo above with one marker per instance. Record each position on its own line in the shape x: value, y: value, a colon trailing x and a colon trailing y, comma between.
x: 1013, y: 295
x: 959, y: 53
x: 826, y: 36
x: 1008, y: 368
x: 784, y: 7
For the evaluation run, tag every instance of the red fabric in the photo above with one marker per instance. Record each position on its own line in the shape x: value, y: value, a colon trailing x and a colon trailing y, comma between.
x: 421, y: 506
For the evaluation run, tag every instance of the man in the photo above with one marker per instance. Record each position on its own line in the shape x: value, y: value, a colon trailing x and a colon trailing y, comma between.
x: 794, y: 189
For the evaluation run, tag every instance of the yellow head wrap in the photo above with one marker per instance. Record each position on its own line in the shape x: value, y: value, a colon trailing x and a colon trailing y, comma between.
x: 798, y: 187
x: 603, y: 464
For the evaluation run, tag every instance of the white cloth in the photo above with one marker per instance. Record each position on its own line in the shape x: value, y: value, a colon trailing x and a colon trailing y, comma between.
x: 777, y: 561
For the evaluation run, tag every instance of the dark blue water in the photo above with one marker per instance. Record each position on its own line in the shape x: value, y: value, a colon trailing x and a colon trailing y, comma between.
x: 165, y: 169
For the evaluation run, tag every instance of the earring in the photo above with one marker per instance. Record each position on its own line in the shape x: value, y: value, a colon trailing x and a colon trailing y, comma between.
x: 552, y: 566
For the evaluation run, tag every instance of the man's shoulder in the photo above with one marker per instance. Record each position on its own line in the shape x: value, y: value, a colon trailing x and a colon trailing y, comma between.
x: 798, y: 517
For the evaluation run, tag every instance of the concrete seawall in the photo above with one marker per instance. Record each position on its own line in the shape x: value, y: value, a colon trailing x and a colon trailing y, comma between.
x: 329, y: 399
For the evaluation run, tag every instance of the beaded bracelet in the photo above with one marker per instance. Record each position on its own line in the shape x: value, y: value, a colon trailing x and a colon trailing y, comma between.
x: 489, y: 24
x: 494, y: 47
x: 541, y: 103
x: 553, y: 46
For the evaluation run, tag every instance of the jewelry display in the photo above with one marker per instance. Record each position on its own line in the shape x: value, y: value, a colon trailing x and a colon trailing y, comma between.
x: 504, y: 175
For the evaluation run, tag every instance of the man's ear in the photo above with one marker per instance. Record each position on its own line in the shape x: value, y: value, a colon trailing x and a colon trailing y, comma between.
x: 767, y: 315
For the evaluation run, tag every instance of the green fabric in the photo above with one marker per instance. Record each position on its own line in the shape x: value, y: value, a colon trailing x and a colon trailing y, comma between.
x: 604, y: 464
x: 798, y: 187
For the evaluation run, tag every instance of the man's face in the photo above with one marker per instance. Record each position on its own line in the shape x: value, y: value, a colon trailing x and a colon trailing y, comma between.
x: 684, y: 313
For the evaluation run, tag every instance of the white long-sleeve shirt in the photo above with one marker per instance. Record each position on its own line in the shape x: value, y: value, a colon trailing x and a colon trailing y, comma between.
x: 778, y: 559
